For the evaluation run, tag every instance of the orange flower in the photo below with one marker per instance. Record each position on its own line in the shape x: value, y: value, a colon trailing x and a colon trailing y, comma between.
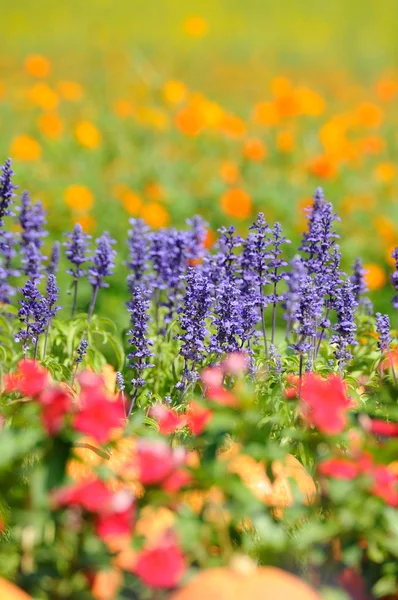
x: 42, y: 95
x: 372, y: 144
x: 210, y: 239
x: 154, y: 191
x: 2, y: 89
x: 24, y: 147
x: 232, y: 126
x: 285, y: 141
x: 87, y: 135
x: 265, y: 113
x: 375, y: 276
x: 123, y: 108
x: 254, y: 149
x: 236, y: 203
x: 323, y: 166
x: 309, y: 102
x: 281, y: 86
x: 390, y: 260
x: 368, y: 115
x: 86, y: 221
x: 386, y: 88
x: 189, y: 121
x: 119, y: 189
x: 155, y: 215
x: 174, y: 92
x: 195, y: 26
x: 70, y: 90
x: 132, y: 202
x: 37, y: 65
x: 50, y: 125
x: 79, y: 198
x: 386, y: 229
x: 229, y: 172
x: 384, y: 172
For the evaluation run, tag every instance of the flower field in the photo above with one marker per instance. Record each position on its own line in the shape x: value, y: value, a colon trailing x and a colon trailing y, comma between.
x: 198, y: 288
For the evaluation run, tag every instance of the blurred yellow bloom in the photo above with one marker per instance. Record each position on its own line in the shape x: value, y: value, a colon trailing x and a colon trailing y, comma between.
x: 265, y: 113
x: 195, y: 26
x: 42, y: 95
x: 281, y: 86
x: 372, y: 144
x: 132, y: 202
x: 285, y: 141
x: 384, y: 172
x: 2, y: 89
x: 87, y: 135
x: 174, y: 92
x: 155, y: 215
x: 386, y: 229
x: 189, y: 121
x: 154, y: 191
x: 155, y: 117
x: 229, y: 171
x: 310, y: 102
x: 236, y: 203
x: 37, y: 65
x: 123, y: 108
x: 24, y: 147
x: 375, y: 277
x: 79, y: 198
x: 368, y: 115
x: 50, y: 125
x: 70, y: 90
x: 386, y: 88
x: 232, y: 126
x: 323, y: 166
x: 86, y: 221
x: 254, y: 149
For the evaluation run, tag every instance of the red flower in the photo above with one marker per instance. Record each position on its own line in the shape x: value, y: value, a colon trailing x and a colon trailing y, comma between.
x: 168, y: 420
x: 235, y: 363
x: 221, y: 396
x: 55, y: 405
x: 325, y: 402
x: 98, y: 416
x: 385, y: 485
x: 30, y: 379
x: 292, y: 391
x: 339, y: 468
x: 92, y: 495
x: 379, y: 427
x: 162, y: 566
x: 197, y: 417
x: 176, y: 481
x: 213, y: 377
x: 156, y: 461
x: 118, y: 519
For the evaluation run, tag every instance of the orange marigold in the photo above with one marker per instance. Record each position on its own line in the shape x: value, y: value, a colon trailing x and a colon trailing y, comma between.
x: 132, y: 203
x: 285, y: 141
x: 155, y: 215
x: 189, y: 121
x: 37, y: 65
x: 265, y: 113
x: 375, y: 276
x: 384, y: 172
x: 174, y: 92
x: 79, y: 198
x: 323, y: 166
x: 368, y: 115
x: 70, y: 90
x: 229, y: 171
x: 24, y: 147
x: 87, y: 135
x: 123, y: 108
x: 50, y: 124
x: 254, y: 149
x: 236, y: 203
x: 195, y: 26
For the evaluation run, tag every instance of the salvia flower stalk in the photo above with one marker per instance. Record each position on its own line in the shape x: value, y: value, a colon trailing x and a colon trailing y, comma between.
x: 102, y: 266
x: 7, y: 188
x: 53, y: 265
x: 33, y: 314
x: 77, y: 248
x: 32, y: 219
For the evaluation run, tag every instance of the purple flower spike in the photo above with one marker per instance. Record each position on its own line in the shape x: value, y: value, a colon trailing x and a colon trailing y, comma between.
x: 52, y: 296
x: 294, y: 280
x: 345, y: 328
x: 227, y: 320
x: 53, y: 266
x: 103, y: 261
x: 77, y: 246
x: 81, y: 351
x: 308, y: 311
x: 197, y: 237
x: 8, y: 253
x: 383, y: 329
x: 32, y: 219
x: 33, y: 314
x: 358, y: 279
x: 6, y: 190
x: 139, y: 249
x: 394, y: 278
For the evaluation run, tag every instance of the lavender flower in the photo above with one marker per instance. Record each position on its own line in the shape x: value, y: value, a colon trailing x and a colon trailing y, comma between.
x: 103, y: 265
x: 138, y: 308
x: 227, y: 319
x: 196, y: 237
x: 274, y: 274
x: 81, y: 351
x: 383, y: 329
x: 276, y: 359
x: 33, y: 314
x: 53, y: 266
x: 7, y: 249
x: 76, y: 253
x: 32, y: 262
x: 193, y: 313
x: 6, y: 190
x: 52, y: 296
x: 120, y: 381
x: 294, y: 280
x: 394, y: 278
x: 139, y: 251
x: 358, y: 279
x: 177, y: 244
x: 345, y: 328
x: 224, y: 264
x: 32, y: 219
x: 309, y: 309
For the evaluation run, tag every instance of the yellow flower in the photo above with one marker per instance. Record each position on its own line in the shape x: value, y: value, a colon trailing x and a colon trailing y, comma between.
x: 37, y: 65
x: 195, y: 26
x: 87, y: 135
x: 155, y: 215
x: 123, y: 108
x: 384, y: 172
x: 79, y: 198
x: 174, y: 92
x: 132, y: 202
x: 86, y: 221
x: 24, y: 147
x: 50, y: 125
x: 42, y: 95
x: 285, y: 141
x: 375, y: 276
x: 310, y: 102
x: 70, y: 90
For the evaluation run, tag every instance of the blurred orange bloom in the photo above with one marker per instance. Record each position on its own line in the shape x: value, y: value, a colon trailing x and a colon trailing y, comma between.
x: 132, y: 202
x: 309, y: 102
x: 87, y: 135
x: 86, y: 221
x: 119, y: 189
x: 232, y: 125
x: 386, y: 229
x: 386, y: 88
x: 37, y: 65
x: 24, y: 147
x: 254, y: 149
x: 285, y: 141
x: 189, y: 121
x: 210, y: 239
x: 281, y: 86
x: 2, y: 89
x: 79, y: 198
x: 229, y: 171
x: 323, y: 166
x: 50, y: 125
x: 384, y: 172
x: 265, y: 113
x: 372, y: 144
x: 174, y: 92
x: 390, y: 260
x: 42, y: 95
x: 236, y: 203
x: 368, y: 115
x: 154, y: 191
x: 375, y: 276
x: 155, y: 215
x: 70, y: 90
x: 123, y: 108
x: 195, y: 26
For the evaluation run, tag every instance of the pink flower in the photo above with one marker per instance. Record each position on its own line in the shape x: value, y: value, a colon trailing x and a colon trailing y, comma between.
x: 162, y: 566
x: 339, y: 468
x: 213, y: 377
x: 98, y: 416
x: 55, y: 405
x: 385, y: 485
x: 379, y: 427
x: 92, y: 495
x: 197, y: 418
x: 118, y: 520
x: 30, y: 379
x: 168, y: 420
x: 235, y: 363
x: 156, y: 461
x: 325, y: 402
x: 176, y: 481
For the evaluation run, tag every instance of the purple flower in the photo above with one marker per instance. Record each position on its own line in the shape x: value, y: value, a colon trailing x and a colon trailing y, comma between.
x: 274, y: 274
x: 308, y: 311
x: 345, y: 306
x: 32, y: 262
x: 139, y: 251
x: 159, y: 257
x: 33, y: 314
x: 358, y: 279
x: 8, y: 253
x: 394, y: 278
x: 383, y: 329
x: 255, y: 256
x: 177, y: 255
x: 120, y: 382
x: 81, y: 351
x: 6, y: 190
x: 294, y: 281
x: 52, y: 297
x: 196, y: 237
x: 138, y: 308
x: 103, y: 261
x: 32, y: 219
x: 53, y: 265
x: 224, y: 264
x: 76, y: 251
x: 195, y: 309
x: 227, y: 319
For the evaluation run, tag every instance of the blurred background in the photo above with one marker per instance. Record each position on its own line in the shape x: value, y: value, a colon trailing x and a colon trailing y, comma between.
x: 161, y: 109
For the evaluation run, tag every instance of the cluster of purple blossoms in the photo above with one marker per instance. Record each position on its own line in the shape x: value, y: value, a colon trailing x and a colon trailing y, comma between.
x: 294, y: 279
x: 138, y: 307
x: 53, y: 265
x: 227, y: 320
x: 81, y: 351
x: 138, y: 242
x: 52, y: 296
x: 102, y: 266
x: 394, y: 278
x: 196, y: 238
x: 6, y: 190
x: 33, y: 314
x: 308, y: 312
x: 358, y: 279
x: 8, y: 254
x: 383, y: 328
x: 32, y: 219
x: 77, y: 247
x: 345, y: 306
